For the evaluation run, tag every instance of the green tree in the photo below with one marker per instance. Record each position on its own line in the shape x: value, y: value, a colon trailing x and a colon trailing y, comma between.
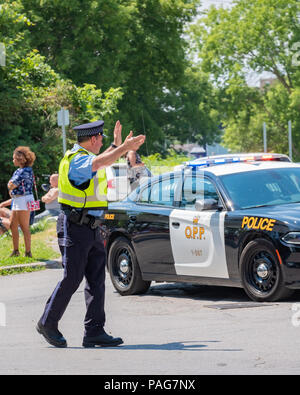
x: 31, y: 92
x: 138, y: 45
x: 254, y: 37
x: 191, y: 111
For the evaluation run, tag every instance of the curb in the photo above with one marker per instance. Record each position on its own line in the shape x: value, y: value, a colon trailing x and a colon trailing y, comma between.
x: 54, y: 264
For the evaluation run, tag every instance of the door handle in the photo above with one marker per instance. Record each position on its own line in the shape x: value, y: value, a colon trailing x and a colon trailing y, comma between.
x: 176, y: 225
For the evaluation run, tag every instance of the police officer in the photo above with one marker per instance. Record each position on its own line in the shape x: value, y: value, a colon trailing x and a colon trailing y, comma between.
x: 82, y: 195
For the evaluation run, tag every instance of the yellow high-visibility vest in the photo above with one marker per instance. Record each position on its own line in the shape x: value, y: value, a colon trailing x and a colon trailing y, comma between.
x: 94, y: 196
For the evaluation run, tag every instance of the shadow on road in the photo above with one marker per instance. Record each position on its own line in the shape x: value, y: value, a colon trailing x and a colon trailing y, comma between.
x: 201, y: 292
x: 205, y: 293
x: 178, y: 346
x: 173, y: 346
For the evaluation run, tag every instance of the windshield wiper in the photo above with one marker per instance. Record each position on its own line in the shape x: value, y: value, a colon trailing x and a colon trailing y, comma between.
x: 268, y: 205
x: 259, y: 205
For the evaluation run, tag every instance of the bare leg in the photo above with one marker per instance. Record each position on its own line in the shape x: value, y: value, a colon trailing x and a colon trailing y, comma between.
x: 14, y: 230
x: 23, y: 219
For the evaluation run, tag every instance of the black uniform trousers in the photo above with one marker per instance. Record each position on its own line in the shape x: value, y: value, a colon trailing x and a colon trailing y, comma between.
x: 83, y: 255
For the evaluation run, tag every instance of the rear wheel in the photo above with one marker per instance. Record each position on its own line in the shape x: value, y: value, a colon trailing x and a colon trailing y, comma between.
x: 261, y: 272
x: 124, y: 269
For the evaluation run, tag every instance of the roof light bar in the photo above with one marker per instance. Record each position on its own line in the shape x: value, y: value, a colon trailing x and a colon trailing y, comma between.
x: 221, y: 161
x: 267, y: 157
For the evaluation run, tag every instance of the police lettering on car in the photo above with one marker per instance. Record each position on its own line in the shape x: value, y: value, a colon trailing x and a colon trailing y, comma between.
x: 82, y: 195
x: 232, y: 221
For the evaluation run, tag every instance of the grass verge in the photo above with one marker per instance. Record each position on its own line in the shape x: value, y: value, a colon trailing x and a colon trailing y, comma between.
x: 14, y: 270
x: 42, y: 237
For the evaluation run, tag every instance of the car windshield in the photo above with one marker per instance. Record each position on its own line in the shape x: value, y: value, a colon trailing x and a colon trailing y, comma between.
x: 263, y: 187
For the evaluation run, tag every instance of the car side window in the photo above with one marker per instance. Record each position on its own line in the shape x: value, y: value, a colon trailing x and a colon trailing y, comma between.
x: 159, y: 193
x: 197, y: 188
x: 144, y: 195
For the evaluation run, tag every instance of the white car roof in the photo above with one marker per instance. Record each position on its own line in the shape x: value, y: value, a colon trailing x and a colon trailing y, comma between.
x: 231, y: 168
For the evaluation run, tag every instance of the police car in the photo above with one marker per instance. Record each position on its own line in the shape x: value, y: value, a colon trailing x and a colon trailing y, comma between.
x: 235, y: 223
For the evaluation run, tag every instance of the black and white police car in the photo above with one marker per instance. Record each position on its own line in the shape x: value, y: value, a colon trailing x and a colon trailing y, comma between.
x: 234, y: 222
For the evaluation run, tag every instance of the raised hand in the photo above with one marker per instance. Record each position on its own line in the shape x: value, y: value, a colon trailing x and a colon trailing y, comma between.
x: 118, y: 134
x: 133, y: 143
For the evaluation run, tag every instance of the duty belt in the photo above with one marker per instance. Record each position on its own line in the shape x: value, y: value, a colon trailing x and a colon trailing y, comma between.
x: 82, y: 218
x: 91, y: 221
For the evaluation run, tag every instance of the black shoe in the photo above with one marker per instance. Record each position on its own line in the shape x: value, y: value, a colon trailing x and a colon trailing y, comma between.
x: 53, y: 336
x: 103, y: 340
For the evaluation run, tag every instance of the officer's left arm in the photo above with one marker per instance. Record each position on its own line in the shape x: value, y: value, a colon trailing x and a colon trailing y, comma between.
x: 108, y: 158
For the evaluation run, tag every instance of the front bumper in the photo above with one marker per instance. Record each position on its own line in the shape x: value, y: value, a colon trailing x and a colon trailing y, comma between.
x: 290, y: 256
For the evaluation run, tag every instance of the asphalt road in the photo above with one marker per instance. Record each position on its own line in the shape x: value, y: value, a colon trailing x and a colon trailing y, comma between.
x: 173, y: 329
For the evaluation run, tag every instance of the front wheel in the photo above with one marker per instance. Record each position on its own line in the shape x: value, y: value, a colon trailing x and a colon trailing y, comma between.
x: 261, y: 272
x: 124, y: 269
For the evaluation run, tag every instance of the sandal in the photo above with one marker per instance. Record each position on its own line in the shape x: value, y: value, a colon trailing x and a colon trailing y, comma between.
x: 28, y: 254
x: 15, y: 253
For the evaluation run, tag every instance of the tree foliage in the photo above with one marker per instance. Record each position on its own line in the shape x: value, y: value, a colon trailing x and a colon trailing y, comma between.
x: 255, y: 37
x: 191, y: 111
x: 32, y: 93
x: 137, y: 45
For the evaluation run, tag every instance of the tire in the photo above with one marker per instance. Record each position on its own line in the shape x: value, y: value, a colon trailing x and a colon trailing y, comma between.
x: 124, y: 269
x: 261, y: 273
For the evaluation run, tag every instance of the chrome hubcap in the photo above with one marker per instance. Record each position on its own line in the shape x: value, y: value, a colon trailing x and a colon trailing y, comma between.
x: 262, y: 270
x: 124, y: 266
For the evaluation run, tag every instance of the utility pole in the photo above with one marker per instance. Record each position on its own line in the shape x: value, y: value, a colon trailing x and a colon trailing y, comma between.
x: 63, y: 121
x: 265, y: 136
x: 290, y: 140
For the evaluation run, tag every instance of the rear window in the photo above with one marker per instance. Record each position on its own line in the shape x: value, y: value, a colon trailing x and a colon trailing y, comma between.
x: 119, y: 171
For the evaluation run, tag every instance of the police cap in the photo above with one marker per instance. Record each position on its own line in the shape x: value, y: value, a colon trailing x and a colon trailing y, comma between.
x: 90, y: 129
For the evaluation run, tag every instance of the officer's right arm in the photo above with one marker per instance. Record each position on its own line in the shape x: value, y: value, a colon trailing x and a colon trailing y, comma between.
x: 108, y: 158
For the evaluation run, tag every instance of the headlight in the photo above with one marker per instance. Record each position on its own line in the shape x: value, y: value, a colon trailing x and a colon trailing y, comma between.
x: 292, y: 238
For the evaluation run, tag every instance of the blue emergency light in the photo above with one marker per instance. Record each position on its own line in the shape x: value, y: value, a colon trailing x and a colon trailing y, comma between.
x: 234, y: 159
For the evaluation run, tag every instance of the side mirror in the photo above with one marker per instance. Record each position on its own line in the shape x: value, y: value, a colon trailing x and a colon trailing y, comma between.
x: 208, y: 204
